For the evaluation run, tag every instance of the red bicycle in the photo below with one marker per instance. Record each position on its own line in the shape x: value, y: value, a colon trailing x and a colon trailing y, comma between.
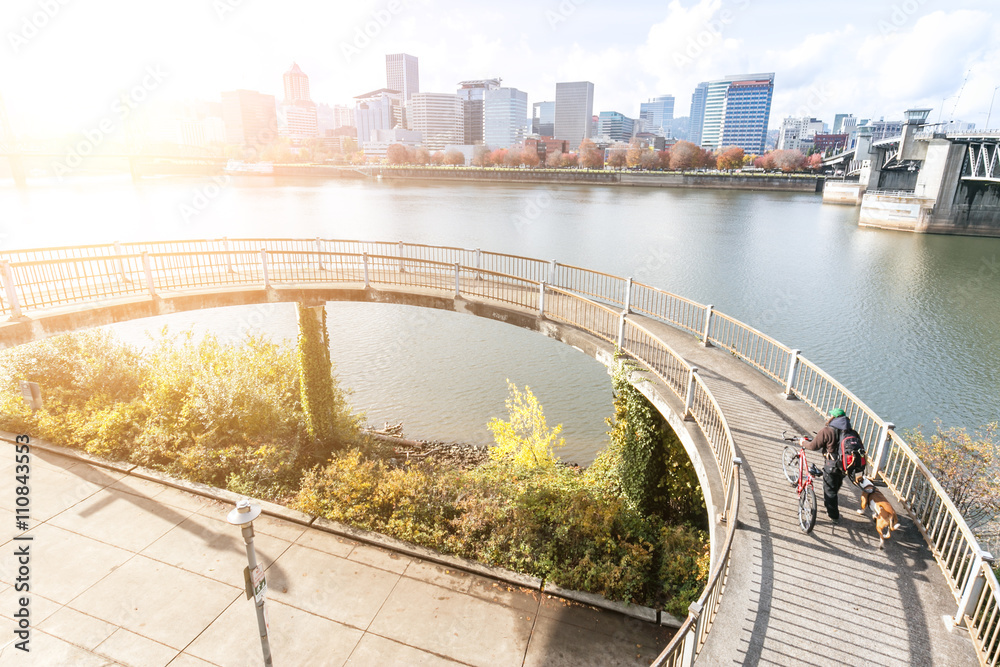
x: 800, y: 473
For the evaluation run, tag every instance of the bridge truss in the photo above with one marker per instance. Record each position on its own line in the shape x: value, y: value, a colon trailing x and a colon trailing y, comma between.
x: 982, y: 162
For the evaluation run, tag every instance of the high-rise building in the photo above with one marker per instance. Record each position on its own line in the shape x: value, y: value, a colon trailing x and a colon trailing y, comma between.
x: 615, y: 126
x: 377, y: 110
x: 697, y: 117
x: 543, y: 119
x: 734, y: 111
x: 438, y: 117
x: 250, y: 117
x: 574, y: 111
x: 657, y: 114
x: 797, y: 133
x: 505, y: 117
x: 838, y: 122
x: 296, y: 85
x: 402, y: 73
x: 472, y: 94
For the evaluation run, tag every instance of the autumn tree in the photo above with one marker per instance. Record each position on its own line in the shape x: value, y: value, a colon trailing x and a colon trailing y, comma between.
x: 730, y: 158
x: 421, y: 156
x: 454, y: 157
x: 437, y: 158
x: 617, y: 158
x: 525, y: 437
x: 554, y: 159
x: 765, y: 161
x: 512, y: 157
x: 788, y: 161
x: 529, y: 157
x: 590, y: 156
x: 649, y: 161
x: 498, y: 156
x: 814, y: 162
x: 481, y: 156
x: 396, y: 154
x: 569, y: 160
x: 685, y: 155
x: 635, y: 153
x: 663, y: 158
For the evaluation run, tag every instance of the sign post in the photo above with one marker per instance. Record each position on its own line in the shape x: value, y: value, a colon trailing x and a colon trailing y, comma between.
x: 243, y: 516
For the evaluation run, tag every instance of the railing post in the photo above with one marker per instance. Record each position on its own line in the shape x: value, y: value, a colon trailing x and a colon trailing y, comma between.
x: 364, y: 260
x: 621, y: 329
x: 458, y: 273
x: 541, y: 299
x: 552, y: 272
x: 690, y: 650
x: 708, y: 324
x: 401, y: 269
x: 737, y: 462
x: 147, y: 269
x: 882, y: 448
x: 319, y: 258
x: 263, y: 266
x: 8, y: 283
x: 628, y: 296
x: 973, y: 587
x: 479, y: 263
x: 229, y: 258
x: 793, y: 368
x: 118, y: 262
x: 689, y: 399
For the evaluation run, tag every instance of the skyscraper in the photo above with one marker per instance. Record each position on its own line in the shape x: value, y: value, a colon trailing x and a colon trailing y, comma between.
x: 615, y: 126
x: 377, y: 110
x: 250, y: 118
x: 472, y: 94
x: 733, y: 111
x: 402, y: 74
x: 657, y: 114
x: 438, y: 117
x: 505, y: 117
x: 297, y: 114
x: 296, y: 85
x: 574, y: 111
x: 543, y: 119
x: 697, y: 116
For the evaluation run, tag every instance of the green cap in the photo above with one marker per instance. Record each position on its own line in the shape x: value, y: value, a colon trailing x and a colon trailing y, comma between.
x: 837, y: 412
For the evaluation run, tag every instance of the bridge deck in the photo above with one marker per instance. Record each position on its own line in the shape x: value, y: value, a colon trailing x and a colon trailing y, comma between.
x: 827, y: 598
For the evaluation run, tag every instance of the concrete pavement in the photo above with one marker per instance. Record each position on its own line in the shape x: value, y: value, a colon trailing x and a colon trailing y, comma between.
x: 133, y: 571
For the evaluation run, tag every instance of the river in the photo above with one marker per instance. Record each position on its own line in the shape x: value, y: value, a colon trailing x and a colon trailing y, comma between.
x: 908, y: 322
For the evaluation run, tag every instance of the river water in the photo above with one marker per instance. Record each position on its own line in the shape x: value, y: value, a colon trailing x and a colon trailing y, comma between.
x: 907, y: 322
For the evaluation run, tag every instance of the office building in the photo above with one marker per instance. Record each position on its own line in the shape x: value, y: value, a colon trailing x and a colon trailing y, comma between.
x: 734, y: 111
x: 543, y: 119
x: 574, y: 112
x: 838, y: 122
x: 697, y: 116
x: 505, y: 117
x: 297, y: 116
x: 438, y: 117
x: 657, y: 115
x: 614, y: 126
x: 377, y: 110
x: 472, y: 94
x: 402, y: 73
x: 797, y: 133
x: 296, y: 85
x: 250, y: 117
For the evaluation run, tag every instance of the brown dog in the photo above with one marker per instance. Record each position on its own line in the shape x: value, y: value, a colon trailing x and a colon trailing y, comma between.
x: 880, y: 510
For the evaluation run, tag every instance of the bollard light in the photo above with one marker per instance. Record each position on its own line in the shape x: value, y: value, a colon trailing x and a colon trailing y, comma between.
x: 243, y: 516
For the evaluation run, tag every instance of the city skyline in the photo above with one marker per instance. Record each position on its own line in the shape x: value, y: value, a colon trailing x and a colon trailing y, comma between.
x: 873, y: 62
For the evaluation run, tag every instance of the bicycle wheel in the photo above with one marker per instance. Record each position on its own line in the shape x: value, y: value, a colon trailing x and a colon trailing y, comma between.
x: 807, y: 508
x: 790, y: 463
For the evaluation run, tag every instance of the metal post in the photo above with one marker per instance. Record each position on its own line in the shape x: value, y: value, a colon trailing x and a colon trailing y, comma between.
x: 229, y: 258
x: 458, y: 273
x: 737, y: 462
x: 708, y: 323
x: 973, y: 587
x: 793, y: 367
x: 691, y: 641
x: 628, y: 296
x: 541, y: 299
x: 148, y: 271
x: 401, y: 269
x: 319, y: 258
x: 479, y: 263
x: 689, y: 399
x: 621, y: 328
x: 364, y: 260
x: 243, y: 516
x: 552, y: 272
x: 882, y: 448
x: 8, y: 283
x: 263, y: 264
x: 118, y: 261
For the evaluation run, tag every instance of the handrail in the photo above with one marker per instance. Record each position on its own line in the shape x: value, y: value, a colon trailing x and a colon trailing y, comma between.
x: 33, y: 279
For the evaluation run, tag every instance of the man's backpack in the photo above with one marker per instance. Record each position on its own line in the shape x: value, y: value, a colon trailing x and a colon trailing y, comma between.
x: 851, y: 452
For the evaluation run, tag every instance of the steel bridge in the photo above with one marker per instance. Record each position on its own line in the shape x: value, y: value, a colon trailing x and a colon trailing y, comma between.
x: 774, y: 595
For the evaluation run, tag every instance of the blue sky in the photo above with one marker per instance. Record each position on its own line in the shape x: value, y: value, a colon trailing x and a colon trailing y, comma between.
x: 63, y: 63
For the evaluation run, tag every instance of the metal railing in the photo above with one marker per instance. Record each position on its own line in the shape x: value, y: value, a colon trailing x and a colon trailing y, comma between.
x: 37, y: 279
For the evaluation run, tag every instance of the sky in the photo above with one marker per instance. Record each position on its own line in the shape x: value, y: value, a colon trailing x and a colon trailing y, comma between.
x: 65, y: 65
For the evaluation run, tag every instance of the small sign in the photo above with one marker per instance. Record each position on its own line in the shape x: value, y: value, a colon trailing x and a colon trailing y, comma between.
x: 259, y: 584
x: 32, y: 394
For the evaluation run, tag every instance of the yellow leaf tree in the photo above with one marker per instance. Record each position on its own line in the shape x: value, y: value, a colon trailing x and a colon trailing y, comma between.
x: 525, y: 438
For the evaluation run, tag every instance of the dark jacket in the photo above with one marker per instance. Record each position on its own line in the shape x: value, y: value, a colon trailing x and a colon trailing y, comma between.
x: 827, y: 440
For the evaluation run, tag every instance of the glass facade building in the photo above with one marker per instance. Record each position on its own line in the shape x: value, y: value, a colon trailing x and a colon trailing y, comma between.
x: 574, y: 112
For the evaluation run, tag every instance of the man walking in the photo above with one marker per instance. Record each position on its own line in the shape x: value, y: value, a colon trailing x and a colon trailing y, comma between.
x: 827, y: 440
